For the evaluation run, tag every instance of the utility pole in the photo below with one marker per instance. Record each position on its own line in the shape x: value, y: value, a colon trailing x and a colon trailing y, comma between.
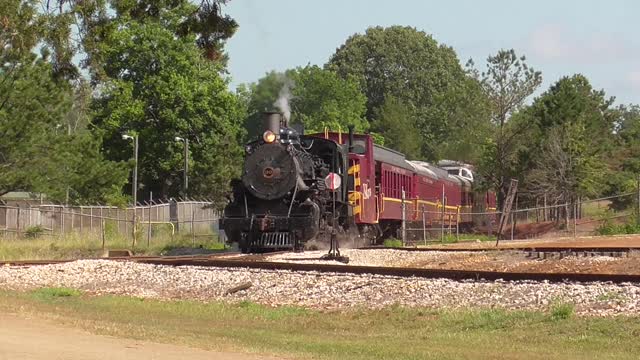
x: 134, y: 190
x: 186, y: 166
x: 135, y: 178
x: 185, y: 183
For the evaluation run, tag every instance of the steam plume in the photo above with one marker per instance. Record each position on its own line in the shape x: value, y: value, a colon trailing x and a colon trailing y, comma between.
x: 282, y: 103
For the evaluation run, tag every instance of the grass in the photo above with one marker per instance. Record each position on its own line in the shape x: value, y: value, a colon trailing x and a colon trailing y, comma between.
x: 392, y: 243
x: 595, y: 209
x: 611, y: 296
x: 76, y: 246
x: 391, y: 333
x: 610, y: 227
x: 468, y: 237
x: 562, y: 311
x: 52, y: 293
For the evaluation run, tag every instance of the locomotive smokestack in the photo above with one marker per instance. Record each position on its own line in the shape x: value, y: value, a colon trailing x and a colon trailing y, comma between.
x: 271, y: 121
x: 351, y: 138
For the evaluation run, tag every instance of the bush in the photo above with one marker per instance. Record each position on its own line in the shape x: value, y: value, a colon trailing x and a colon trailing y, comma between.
x: 562, y: 311
x: 392, y: 243
x: 34, y: 232
x: 609, y: 228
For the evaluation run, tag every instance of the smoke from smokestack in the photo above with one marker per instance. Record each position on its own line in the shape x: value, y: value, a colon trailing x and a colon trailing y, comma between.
x: 282, y: 103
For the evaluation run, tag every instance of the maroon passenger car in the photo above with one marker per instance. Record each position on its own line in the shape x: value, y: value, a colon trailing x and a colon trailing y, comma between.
x: 381, y: 179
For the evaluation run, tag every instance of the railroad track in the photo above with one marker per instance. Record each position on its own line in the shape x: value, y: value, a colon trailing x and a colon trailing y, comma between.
x: 402, y: 271
x: 147, y: 258
x: 543, y: 249
x: 258, y: 262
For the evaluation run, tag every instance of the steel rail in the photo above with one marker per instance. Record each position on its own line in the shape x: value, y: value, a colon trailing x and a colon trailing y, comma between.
x: 259, y: 264
x: 31, y: 262
x: 514, y: 248
x: 130, y: 258
x: 402, y: 271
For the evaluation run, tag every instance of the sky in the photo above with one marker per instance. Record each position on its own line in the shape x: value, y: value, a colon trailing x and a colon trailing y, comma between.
x: 600, y: 39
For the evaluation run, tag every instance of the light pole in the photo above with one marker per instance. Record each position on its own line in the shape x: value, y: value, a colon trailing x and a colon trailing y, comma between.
x: 185, y: 184
x: 135, y: 180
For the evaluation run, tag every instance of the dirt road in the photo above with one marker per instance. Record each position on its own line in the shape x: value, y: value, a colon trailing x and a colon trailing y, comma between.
x: 25, y: 339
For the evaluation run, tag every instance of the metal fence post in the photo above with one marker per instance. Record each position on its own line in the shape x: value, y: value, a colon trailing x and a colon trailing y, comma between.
x: 458, y: 225
x: 575, y: 221
x: 134, y: 221
x: 403, y: 225
x: 149, y: 226
x: 193, y: 231
x: 442, y: 216
x: 424, y: 225
x: 513, y: 225
x: 18, y: 222
x: 102, y: 232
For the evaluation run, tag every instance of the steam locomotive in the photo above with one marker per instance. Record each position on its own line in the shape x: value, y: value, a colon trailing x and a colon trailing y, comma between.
x: 296, y: 188
x: 291, y: 188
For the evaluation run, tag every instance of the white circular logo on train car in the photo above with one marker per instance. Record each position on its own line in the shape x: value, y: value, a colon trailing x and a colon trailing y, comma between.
x: 332, y: 181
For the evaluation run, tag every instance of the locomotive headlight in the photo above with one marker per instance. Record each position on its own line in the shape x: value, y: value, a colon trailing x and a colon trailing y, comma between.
x: 269, y: 137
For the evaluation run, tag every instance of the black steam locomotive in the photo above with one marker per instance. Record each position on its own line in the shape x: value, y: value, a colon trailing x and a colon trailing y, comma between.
x: 290, y: 191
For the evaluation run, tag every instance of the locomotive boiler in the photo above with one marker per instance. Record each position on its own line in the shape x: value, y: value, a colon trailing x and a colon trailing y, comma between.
x: 291, y: 189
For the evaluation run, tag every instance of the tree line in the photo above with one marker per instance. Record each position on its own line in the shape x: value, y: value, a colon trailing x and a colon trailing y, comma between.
x: 77, y: 75
x: 414, y: 95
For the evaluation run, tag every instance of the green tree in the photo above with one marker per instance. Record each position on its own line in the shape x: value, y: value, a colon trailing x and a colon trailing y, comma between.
x: 77, y: 28
x: 20, y: 31
x: 413, y: 67
x: 48, y: 148
x: 322, y: 99
x: 624, y: 162
x: 395, y: 120
x: 261, y: 97
x: 507, y: 83
x: 573, y: 134
x: 42, y: 155
x: 315, y: 97
x: 471, y: 124
x: 161, y: 88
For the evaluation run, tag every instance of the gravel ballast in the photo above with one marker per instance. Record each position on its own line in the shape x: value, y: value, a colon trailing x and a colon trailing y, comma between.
x: 316, y: 290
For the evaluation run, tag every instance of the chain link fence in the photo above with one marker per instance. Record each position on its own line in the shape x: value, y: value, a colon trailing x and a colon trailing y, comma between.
x: 144, y: 222
x: 440, y: 223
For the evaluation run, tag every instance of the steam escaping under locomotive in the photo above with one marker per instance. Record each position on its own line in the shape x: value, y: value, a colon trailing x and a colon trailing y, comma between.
x: 296, y: 188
